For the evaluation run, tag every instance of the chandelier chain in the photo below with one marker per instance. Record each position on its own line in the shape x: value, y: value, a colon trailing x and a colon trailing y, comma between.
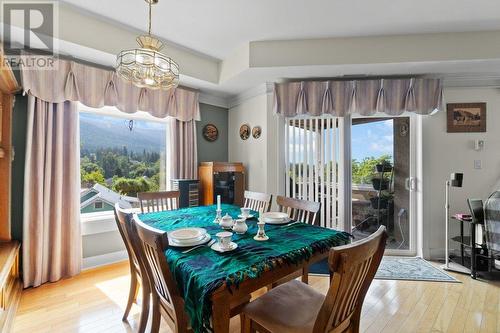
x: 149, y: 25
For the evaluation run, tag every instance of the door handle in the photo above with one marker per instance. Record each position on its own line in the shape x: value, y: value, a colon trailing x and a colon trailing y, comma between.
x: 410, y: 184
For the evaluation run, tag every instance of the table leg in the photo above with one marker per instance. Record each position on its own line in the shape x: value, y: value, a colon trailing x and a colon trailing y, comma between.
x: 473, y: 251
x: 462, y: 256
x: 220, y: 313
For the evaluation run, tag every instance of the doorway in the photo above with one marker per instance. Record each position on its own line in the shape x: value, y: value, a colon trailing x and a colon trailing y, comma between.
x: 382, y: 182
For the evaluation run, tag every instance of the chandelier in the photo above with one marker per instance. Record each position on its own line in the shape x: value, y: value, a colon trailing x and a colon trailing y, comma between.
x: 146, y: 66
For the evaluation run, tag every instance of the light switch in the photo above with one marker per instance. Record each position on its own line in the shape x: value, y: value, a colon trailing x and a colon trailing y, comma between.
x: 477, y: 164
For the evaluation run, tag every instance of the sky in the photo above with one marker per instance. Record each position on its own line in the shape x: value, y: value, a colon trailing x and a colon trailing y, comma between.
x: 368, y: 140
x: 372, y: 139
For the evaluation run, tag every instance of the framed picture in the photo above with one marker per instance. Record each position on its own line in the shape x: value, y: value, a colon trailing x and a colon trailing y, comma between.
x: 244, y: 132
x: 210, y: 132
x: 256, y: 132
x: 466, y: 117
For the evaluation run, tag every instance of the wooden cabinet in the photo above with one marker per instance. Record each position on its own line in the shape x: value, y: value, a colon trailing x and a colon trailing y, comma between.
x: 10, y: 283
x: 224, y: 179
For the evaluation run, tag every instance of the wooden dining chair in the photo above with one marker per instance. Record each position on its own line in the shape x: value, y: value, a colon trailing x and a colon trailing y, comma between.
x: 158, y: 201
x: 299, y: 210
x: 165, y: 295
x: 137, y: 274
x: 256, y: 201
x: 166, y: 298
x: 296, y: 307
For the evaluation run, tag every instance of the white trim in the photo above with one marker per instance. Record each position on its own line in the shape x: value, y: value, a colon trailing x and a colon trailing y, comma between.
x: 213, y: 100
x: 261, y: 89
x: 345, y: 200
x: 104, y: 259
x: 97, y: 223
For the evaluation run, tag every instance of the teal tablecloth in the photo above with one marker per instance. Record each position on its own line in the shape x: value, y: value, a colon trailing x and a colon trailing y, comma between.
x: 202, y: 271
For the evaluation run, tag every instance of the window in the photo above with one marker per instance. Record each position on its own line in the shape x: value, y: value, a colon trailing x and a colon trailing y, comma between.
x: 120, y: 155
x: 312, y: 155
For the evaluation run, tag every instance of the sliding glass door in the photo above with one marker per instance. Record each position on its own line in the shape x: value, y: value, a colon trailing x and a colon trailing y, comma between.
x: 361, y: 170
x: 382, y: 181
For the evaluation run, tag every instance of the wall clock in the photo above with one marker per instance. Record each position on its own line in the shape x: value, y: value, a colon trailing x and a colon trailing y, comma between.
x: 210, y: 132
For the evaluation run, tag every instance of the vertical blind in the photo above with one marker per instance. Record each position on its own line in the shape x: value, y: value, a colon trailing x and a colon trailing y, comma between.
x: 312, y: 156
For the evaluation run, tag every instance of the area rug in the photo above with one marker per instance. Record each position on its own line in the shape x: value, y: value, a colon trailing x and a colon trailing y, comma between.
x: 399, y: 268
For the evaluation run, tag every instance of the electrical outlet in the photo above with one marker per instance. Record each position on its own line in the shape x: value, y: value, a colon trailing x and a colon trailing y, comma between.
x: 477, y: 164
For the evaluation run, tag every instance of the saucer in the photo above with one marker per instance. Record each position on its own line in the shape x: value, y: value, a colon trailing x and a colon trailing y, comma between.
x: 249, y: 216
x: 216, y: 247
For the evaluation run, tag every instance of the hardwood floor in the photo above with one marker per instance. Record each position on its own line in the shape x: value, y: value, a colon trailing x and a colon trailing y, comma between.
x: 94, y: 301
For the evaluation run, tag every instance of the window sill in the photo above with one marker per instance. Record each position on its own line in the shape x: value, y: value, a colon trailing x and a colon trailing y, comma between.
x: 97, y: 223
x: 100, y: 222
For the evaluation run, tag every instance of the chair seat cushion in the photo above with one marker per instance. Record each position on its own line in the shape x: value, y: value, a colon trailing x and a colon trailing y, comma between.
x: 291, y: 307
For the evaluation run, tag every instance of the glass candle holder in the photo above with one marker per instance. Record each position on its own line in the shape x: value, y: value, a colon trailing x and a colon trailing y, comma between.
x: 218, y: 216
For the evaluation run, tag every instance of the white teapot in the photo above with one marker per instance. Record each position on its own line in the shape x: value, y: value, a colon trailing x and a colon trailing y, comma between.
x: 226, y: 222
x: 240, y: 226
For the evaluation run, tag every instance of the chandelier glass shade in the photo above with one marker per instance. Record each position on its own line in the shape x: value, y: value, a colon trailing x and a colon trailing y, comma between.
x: 146, y: 66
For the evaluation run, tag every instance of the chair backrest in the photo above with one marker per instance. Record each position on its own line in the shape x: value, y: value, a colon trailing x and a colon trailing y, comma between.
x: 299, y: 210
x: 152, y: 244
x: 158, y: 201
x: 124, y: 223
x: 492, y: 222
x: 476, y: 210
x: 259, y: 202
x: 353, y: 267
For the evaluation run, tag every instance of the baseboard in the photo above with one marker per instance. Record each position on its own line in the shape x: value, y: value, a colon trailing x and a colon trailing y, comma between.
x: 104, y: 259
x: 437, y: 253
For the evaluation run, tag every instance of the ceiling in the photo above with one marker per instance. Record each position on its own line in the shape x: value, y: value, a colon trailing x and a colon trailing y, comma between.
x: 218, y: 27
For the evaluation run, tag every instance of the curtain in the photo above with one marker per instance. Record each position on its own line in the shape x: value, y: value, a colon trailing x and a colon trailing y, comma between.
x: 183, y: 150
x: 51, y: 226
x: 97, y: 87
x: 365, y: 97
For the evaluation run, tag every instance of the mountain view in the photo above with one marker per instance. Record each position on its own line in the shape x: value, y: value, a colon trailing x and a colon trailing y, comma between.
x: 123, y: 156
x: 100, y: 131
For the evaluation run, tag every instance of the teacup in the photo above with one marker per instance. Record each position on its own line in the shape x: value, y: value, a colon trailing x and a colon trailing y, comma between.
x: 224, y: 239
x: 245, y: 212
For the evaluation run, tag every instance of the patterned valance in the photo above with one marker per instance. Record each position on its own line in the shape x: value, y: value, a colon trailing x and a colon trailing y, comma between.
x: 97, y: 87
x: 364, y: 97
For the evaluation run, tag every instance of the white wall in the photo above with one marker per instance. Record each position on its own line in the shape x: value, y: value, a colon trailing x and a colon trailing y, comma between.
x: 444, y: 153
x: 251, y: 152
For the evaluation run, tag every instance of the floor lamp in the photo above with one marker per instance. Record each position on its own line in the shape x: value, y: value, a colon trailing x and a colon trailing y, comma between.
x: 454, y: 181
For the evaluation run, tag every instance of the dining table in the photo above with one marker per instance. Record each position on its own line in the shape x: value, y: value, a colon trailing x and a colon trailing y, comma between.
x: 210, y: 282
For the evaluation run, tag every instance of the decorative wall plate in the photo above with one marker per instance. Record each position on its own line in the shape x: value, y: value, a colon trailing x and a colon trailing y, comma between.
x: 256, y: 132
x: 244, y: 132
x: 210, y: 132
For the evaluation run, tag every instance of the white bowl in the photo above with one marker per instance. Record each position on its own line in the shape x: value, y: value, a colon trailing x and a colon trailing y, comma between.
x: 186, y: 234
x: 275, y: 216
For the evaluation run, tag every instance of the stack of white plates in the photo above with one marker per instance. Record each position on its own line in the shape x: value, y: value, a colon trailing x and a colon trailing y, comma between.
x: 188, y: 237
x: 275, y: 218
